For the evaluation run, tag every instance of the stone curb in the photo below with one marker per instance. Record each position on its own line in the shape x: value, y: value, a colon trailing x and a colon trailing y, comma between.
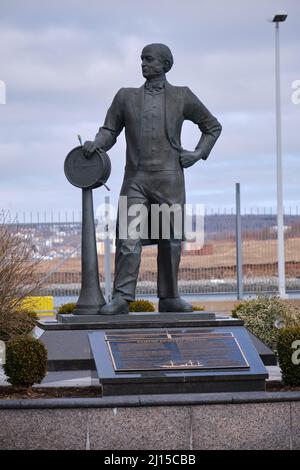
x: 153, y: 400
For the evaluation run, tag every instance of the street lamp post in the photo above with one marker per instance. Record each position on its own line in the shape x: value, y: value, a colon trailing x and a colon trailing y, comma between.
x: 279, y: 18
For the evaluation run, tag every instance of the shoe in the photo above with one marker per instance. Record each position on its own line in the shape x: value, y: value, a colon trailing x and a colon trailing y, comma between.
x: 174, y: 304
x: 116, y: 307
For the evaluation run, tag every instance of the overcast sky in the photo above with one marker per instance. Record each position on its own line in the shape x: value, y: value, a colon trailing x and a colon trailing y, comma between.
x: 63, y: 61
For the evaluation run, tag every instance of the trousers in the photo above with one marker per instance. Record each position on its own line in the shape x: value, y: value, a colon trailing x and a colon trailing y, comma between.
x: 162, y: 189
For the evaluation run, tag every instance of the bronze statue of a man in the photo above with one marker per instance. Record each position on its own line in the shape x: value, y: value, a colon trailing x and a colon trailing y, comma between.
x: 152, y: 116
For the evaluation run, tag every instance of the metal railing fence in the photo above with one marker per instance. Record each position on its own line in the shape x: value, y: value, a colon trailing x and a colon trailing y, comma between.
x: 56, y: 237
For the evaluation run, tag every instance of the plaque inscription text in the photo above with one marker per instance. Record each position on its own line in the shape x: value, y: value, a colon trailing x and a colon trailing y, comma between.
x: 175, y: 350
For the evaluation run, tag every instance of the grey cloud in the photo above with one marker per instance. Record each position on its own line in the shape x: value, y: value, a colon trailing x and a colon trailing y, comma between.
x: 63, y: 62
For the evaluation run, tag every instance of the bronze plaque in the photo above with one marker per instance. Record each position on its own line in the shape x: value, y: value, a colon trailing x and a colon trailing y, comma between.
x: 166, y: 351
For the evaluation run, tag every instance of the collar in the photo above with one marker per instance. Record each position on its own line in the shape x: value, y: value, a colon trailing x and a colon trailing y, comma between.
x: 155, y: 85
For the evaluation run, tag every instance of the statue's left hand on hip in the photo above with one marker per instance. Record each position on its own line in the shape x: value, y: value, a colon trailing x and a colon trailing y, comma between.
x: 188, y: 159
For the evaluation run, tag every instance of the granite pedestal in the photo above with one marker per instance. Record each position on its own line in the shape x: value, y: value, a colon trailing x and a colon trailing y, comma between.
x: 77, y: 343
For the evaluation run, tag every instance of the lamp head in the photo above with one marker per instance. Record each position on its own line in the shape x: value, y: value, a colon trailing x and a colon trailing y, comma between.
x: 279, y: 17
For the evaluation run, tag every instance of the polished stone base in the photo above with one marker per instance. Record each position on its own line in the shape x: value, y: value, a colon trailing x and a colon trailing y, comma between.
x: 220, y: 376
x: 67, y: 341
x: 135, y: 320
x: 68, y: 344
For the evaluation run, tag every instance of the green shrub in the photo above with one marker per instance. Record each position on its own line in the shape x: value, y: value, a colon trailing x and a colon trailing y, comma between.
x: 141, y: 306
x: 197, y: 308
x: 67, y: 308
x: 26, y: 361
x: 290, y: 371
x: 261, y: 314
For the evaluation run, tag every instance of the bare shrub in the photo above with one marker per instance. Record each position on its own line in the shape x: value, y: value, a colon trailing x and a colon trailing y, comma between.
x: 18, y: 279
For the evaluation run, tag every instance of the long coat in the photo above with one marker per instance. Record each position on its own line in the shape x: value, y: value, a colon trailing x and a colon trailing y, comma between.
x: 180, y: 104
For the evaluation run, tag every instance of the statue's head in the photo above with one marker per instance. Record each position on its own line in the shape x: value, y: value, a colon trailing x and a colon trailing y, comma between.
x: 157, y: 59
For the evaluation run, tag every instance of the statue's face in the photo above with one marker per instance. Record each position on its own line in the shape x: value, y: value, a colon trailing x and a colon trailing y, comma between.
x: 152, y: 65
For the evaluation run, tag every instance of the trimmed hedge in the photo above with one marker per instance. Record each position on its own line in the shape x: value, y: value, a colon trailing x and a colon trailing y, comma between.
x: 67, y: 308
x: 287, y: 353
x: 26, y: 361
x: 141, y: 306
x: 134, y: 306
